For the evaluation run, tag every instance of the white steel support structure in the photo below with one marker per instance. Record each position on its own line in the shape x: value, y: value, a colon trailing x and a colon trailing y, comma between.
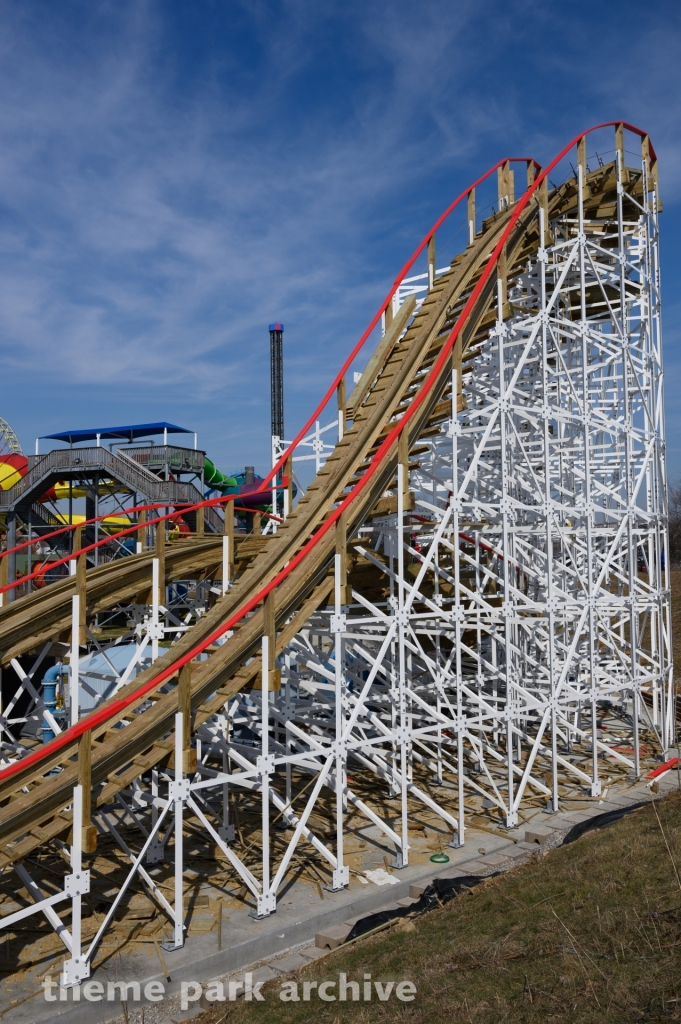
x: 558, y: 525
x: 524, y: 650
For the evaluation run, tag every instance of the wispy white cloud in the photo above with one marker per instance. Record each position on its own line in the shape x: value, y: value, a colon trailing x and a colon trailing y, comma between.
x: 167, y: 189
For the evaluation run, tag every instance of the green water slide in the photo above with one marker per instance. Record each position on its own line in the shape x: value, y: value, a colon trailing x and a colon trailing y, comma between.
x: 218, y: 481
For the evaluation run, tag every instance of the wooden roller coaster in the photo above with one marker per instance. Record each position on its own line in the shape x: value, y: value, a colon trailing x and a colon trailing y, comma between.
x: 468, y: 607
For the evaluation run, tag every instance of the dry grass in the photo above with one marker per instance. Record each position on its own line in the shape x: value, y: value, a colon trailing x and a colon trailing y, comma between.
x: 591, y: 933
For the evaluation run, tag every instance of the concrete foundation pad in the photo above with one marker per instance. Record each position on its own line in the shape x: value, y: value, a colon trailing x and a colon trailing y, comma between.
x: 289, y: 963
x: 472, y: 867
x: 515, y: 852
x: 452, y: 872
x: 624, y: 801
x: 495, y: 859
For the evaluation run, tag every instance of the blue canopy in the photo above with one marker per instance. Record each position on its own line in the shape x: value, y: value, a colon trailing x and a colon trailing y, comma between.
x: 121, y: 433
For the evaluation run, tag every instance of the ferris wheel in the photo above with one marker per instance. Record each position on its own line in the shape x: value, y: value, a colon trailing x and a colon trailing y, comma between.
x: 9, y: 442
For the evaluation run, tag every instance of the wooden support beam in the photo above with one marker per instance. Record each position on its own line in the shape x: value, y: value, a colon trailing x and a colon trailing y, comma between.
x: 530, y: 173
x: 581, y: 161
x: 342, y: 550
x: 502, y: 275
x: 619, y: 146
x: 161, y: 555
x: 471, y: 216
x: 270, y: 630
x: 645, y: 152
x: 89, y: 831
x: 288, y: 475
x: 505, y: 185
x: 431, y: 262
x: 142, y: 532
x: 184, y: 704
x: 650, y: 166
x: 544, y: 203
x: 200, y: 522
x: 229, y: 533
x: 342, y: 410
x: 457, y: 365
x: 403, y: 459
x: 81, y: 585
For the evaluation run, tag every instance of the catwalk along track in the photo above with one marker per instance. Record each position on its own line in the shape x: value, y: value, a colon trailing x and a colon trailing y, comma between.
x: 466, y: 612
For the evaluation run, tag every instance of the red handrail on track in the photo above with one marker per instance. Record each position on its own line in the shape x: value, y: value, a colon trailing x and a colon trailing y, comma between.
x: 386, y: 302
x: 135, y: 528
x: 179, y: 509
x: 116, y: 707
x: 86, y: 522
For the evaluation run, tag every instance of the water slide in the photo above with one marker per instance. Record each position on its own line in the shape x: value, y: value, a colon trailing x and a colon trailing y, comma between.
x: 248, y: 492
x: 12, y: 467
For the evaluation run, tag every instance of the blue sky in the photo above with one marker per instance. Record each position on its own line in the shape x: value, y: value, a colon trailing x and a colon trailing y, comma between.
x: 175, y: 175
